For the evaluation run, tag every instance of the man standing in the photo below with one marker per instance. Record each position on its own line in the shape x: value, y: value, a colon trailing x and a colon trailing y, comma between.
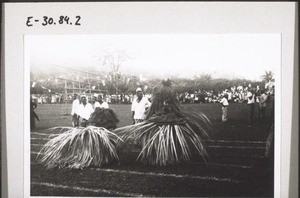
x: 95, y: 103
x: 85, y: 111
x: 251, y: 104
x: 103, y: 104
x: 139, y: 106
x: 33, y: 115
x: 224, y: 103
x: 74, y: 112
x: 262, y: 105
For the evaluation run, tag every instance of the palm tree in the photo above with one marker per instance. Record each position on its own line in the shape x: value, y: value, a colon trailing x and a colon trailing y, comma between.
x: 268, y: 77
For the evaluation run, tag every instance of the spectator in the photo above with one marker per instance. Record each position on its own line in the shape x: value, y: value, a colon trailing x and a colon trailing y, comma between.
x: 95, y: 103
x: 33, y: 115
x: 139, y: 106
x: 103, y: 104
x: 85, y: 111
x: 74, y: 112
x: 262, y: 105
x: 271, y: 103
x: 251, y: 104
x: 224, y: 103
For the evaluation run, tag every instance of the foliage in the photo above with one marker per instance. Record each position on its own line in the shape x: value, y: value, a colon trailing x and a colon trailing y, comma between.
x: 268, y: 77
x: 78, y: 148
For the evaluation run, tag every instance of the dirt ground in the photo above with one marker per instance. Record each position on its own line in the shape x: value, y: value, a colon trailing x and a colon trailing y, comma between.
x: 234, y: 167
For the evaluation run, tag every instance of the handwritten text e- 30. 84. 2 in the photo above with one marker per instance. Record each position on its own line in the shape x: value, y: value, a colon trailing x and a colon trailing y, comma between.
x: 62, y: 20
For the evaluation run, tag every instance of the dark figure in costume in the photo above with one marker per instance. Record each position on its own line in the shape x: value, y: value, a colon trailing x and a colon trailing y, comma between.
x: 167, y: 135
x: 33, y: 115
x: 81, y: 147
x: 103, y: 118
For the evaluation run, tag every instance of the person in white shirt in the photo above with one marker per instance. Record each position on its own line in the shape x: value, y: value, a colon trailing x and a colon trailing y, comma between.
x: 95, y: 103
x: 224, y: 103
x: 85, y: 111
x: 74, y: 112
x: 102, y: 103
x: 139, y: 106
x: 251, y: 104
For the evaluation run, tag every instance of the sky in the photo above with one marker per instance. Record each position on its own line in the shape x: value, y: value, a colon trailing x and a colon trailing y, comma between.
x: 245, y: 56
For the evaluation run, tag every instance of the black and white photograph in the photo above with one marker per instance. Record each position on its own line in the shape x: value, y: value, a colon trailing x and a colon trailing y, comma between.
x: 154, y: 115
x: 149, y: 99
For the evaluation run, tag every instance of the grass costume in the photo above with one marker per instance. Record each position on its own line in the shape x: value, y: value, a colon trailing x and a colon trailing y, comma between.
x: 168, y: 134
x: 81, y: 147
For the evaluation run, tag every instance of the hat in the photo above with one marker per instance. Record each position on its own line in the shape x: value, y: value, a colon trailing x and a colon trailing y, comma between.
x: 138, y: 89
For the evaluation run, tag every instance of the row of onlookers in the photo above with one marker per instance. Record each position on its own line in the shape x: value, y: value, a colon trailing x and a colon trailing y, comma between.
x: 235, y: 94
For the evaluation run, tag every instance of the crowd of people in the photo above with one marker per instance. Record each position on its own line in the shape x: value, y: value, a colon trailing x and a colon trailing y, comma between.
x: 235, y: 94
x: 63, y: 98
x: 254, y: 97
x: 261, y: 97
x: 84, y: 106
x: 48, y: 98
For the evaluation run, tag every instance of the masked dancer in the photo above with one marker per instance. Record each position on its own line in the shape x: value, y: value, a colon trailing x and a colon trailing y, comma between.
x: 168, y: 134
x: 80, y: 147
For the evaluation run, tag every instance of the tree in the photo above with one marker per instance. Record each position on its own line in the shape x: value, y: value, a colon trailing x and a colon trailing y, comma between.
x: 114, y: 60
x: 268, y: 77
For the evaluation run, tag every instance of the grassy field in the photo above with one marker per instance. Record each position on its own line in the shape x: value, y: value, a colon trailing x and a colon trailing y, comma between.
x: 233, y: 168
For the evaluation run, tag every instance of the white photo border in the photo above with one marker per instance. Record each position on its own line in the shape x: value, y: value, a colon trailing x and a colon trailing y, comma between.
x: 244, y: 17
